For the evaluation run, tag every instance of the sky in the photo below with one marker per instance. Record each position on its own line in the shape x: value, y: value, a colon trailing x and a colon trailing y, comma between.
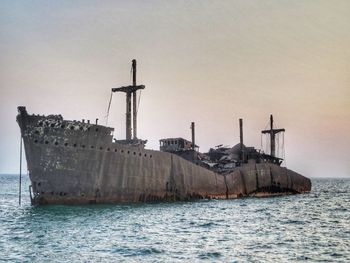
x: 211, y: 62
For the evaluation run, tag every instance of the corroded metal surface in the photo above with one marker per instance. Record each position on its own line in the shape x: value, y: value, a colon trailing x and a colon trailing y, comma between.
x: 73, y: 162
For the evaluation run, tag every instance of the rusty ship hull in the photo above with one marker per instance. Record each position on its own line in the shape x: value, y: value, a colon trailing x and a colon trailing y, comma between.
x: 73, y: 162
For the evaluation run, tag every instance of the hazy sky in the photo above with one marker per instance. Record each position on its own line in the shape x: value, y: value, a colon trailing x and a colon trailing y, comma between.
x: 211, y: 62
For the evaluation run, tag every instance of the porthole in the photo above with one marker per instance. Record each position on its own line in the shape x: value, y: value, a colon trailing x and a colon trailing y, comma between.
x: 108, y: 149
x: 56, y: 143
x: 83, y: 146
x: 35, y: 141
x: 128, y: 152
x: 122, y: 151
x: 74, y: 145
x: 96, y: 129
x: 140, y: 154
x: 150, y: 156
x: 145, y: 155
x: 65, y: 144
x: 101, y: 148
x: 134, y: 153
x: 46, y: 142
x: 92, y: 147
x: 115, y: 150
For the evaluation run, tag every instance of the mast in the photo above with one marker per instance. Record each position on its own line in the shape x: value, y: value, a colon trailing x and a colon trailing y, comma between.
x: 272, y: 133
x: 241, y: 138
x: 128, y: 116
x: 193, y: 136
x: 130, y: 91
x: 134, y: 99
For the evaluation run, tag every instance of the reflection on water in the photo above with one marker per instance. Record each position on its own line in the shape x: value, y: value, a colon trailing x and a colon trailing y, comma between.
x: 314, y: 226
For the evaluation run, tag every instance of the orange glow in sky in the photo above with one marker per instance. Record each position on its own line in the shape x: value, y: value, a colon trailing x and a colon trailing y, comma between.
x: 211, y: 62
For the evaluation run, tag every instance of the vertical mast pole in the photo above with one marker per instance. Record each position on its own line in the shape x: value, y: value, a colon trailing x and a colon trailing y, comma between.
x: 128, y: 115
x: 272, y: 137
x: 241, y: 137
x: 134, y: 99
x: 193, y: 136
x: 130, y: 91
x: 20, y: 172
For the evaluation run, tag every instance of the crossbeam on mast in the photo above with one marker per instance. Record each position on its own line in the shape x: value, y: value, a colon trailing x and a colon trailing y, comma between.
x: 130, y: 91
x: 272, y: 133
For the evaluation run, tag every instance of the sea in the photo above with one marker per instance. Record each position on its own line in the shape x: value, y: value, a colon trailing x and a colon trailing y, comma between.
x: 312, y: 227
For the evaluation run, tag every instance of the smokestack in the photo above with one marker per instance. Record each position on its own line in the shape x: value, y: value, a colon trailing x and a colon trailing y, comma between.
x: 193, y: 136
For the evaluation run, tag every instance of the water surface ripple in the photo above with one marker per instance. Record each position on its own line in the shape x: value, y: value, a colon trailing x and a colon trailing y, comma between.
x: 311, y: 227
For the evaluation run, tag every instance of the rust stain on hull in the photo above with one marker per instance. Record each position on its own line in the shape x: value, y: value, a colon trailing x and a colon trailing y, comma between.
x: 77, y: 162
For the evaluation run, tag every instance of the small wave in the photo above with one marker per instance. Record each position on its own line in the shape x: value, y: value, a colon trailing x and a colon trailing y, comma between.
x: 209, y: 224
x: 210, y: 255
x: 337, y: 255
x: 131, y: 252
x: 303, y: 258
x: 295, y: 222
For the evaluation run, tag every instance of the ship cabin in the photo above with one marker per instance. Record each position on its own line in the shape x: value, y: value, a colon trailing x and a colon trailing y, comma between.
x: 176, y: 144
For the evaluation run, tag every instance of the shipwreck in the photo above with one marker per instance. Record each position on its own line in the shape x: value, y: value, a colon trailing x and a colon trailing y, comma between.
x: 79, y: 162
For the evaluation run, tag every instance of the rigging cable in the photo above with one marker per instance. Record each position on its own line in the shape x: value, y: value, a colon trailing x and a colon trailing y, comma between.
x: 267, y: 144
x: 278, y: 145
x: 109, y: 106
x: 131, y: 73
x: 20, y: 172
x: 284, y: 153
x: 138, y: 103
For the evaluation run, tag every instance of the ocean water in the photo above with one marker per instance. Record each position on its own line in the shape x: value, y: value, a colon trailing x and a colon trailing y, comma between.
x: 310, y: 227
